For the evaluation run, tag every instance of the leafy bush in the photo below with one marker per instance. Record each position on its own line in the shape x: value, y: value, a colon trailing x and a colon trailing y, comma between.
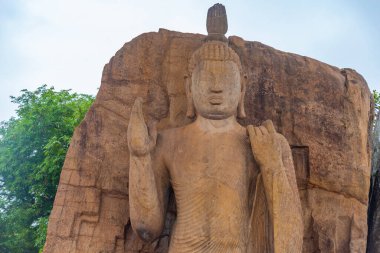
x: 33, y: 147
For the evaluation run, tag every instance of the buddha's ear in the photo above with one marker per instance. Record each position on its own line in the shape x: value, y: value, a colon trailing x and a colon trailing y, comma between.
x: 190, y: 104
x: 241, y: 111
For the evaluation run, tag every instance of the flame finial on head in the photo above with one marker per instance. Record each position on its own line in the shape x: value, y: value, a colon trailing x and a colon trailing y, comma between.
x: 217, y: 25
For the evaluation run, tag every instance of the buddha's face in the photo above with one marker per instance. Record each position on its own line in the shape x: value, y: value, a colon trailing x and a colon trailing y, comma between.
x: 216, y: 89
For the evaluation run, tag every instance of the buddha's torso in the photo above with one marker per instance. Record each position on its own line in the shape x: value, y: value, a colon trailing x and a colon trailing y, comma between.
x: 211, y: 174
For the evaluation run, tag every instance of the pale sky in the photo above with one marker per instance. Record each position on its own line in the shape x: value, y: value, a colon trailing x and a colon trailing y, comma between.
x: 65, y: 43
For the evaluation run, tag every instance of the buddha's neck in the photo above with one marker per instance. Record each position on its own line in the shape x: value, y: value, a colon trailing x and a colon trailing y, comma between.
x: 220, y: 125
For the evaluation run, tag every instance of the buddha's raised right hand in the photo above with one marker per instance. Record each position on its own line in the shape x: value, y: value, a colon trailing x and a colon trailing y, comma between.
x: 141, y: 140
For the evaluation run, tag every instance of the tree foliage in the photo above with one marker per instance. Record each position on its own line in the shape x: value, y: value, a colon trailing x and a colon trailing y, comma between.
x: 33, y: 146
x: 376, y: 98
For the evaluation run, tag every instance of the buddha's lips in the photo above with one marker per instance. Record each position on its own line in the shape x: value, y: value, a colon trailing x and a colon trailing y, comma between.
x: 215, y: 100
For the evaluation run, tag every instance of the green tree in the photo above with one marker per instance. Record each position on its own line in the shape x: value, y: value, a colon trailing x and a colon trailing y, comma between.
x: 33, y: 147
x: 376, y: 98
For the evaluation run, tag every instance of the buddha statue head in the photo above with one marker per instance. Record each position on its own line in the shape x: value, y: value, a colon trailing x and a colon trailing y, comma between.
x: 215, y: 85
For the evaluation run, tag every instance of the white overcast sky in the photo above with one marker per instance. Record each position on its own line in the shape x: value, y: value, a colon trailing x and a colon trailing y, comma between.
x: 66, y: 43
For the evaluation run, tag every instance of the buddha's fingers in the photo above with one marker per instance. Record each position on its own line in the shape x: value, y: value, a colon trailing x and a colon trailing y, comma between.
x: 137, y: 109
x: 251, y: 133
x: 268, y: 124
x: 138, y: 137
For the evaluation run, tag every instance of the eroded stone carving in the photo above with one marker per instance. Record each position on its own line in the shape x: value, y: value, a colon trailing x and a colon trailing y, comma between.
x: 225, y: 177
x: 322, y: 110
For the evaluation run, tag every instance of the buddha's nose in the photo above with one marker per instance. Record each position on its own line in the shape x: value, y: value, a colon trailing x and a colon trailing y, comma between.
x: 216, y: 87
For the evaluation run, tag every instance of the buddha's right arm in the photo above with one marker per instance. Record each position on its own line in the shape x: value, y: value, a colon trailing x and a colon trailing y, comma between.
x: 148, y: 180
x: 148, y: 191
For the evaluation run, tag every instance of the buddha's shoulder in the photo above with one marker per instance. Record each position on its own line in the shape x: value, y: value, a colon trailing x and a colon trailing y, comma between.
x: 173, y: 130
x: 241, y: 130
x: 172, y: 134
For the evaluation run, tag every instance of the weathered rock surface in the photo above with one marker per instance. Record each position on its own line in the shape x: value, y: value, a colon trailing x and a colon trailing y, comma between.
x: 323, y: 111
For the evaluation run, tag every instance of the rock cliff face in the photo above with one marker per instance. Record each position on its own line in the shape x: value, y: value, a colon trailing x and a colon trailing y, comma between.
x: 323, y: 111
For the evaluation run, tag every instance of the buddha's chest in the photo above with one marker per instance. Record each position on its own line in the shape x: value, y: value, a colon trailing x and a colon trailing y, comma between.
x: 214, y: 160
